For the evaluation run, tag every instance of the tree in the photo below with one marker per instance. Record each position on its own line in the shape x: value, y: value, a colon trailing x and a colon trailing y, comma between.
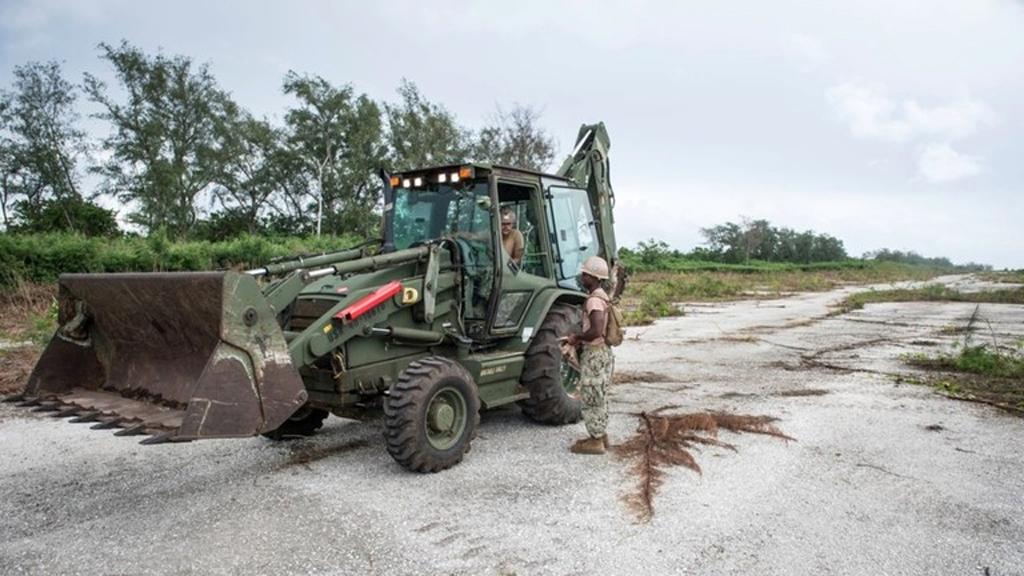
x: 726, y: 241
x: 67, y: 214
x: 246, y: 183
x: 514, y: 138
x: 164, y: 147
x: 758, y: 239
x: 653, y: 253
x: 8, y: 160
x: 421, y: 133
x: 40, y: 143
x: 337, y: 139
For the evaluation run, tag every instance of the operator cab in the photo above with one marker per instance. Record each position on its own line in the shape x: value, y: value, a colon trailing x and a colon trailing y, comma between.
x: 464, y: 204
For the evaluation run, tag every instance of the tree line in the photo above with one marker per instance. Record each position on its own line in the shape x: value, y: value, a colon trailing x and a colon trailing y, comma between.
x: 186, y: 159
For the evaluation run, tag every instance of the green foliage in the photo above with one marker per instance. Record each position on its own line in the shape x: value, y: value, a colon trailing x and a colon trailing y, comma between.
x: 759, y: 240
x: 422, y: 133
x: 251, y: 172
x: 68, y: 214
x: 514, y: 138
x: 1005, y: 276
x: 911, y: 257
x: 931, y: 293
x: 40, y: 142
x: 980, y: 373
x: 164, y: 148
x: 42, y: 326
x: 43, y: 257
x: 651, y: 295
x: 336, y: 139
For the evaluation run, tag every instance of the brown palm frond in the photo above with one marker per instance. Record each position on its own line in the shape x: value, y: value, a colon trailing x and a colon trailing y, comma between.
x: 664, y: 440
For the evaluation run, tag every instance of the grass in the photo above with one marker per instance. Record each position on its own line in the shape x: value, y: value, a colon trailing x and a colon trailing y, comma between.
x: 980, y: 359
x: 930, y: 293
x: 653, y: 295
x: 1006, y: 276
x: 28, y: 313
x: 978, y: 373
x: 28, y: 319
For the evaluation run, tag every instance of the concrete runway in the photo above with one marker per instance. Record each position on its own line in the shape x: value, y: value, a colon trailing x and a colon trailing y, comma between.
x: 884, y: 477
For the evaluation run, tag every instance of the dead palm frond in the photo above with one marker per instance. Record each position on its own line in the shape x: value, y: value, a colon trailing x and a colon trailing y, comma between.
x: 664, y: 440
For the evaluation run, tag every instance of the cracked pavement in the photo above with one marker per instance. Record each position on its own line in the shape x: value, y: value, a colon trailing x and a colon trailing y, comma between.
x: 885, y: 477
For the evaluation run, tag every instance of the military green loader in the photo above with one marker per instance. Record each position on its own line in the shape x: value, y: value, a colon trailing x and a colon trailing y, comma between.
x: 432, y: 324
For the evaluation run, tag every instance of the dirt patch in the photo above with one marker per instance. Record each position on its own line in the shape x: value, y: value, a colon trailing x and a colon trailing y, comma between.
x: 15, y: 366
x: 643, y: 376
x: 304, y: 454
x: 665, y: 440
x: 802, y: 392
x: 1004, y: 393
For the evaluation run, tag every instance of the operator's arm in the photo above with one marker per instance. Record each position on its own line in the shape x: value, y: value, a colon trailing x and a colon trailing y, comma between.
x: 518, y: 247
x: 595, y: 331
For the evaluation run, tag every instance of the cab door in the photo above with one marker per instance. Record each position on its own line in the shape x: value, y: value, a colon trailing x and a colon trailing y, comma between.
x: 520, y: 281
x: 573, y: 232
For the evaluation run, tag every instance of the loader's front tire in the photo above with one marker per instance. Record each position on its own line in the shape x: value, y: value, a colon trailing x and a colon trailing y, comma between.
x: 549, y: 379
x: 305, y: 422
x: 431, y: 414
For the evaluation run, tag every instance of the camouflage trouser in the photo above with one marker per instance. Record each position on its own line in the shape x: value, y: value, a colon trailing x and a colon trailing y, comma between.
x: 596, y: 365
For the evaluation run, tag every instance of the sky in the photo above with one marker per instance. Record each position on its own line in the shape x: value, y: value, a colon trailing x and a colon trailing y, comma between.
x: 886, y: 124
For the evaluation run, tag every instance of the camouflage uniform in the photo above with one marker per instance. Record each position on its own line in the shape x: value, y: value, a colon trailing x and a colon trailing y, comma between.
x: 596, y: 365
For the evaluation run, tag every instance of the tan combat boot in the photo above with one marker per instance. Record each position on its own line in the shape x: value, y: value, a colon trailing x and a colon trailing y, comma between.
x: 589, y: 445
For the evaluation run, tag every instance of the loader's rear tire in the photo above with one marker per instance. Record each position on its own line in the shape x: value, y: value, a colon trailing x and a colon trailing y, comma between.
x: 431, y: 414
x: 303, y: 423
x: 550, y: 380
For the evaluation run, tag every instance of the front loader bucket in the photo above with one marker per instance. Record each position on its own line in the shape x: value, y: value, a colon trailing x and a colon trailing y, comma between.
x: 178, y: 355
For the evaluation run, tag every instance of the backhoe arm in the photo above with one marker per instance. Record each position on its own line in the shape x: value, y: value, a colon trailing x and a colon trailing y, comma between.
x: 588, y: 167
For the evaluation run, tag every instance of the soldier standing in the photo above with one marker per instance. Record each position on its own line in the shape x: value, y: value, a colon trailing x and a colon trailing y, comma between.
x: 596, y: 360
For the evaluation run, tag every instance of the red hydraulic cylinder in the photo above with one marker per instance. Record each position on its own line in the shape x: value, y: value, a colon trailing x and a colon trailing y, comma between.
x: 369, y: 302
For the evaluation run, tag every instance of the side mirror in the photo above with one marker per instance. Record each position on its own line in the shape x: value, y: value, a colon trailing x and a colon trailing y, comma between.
x: 484, y: 202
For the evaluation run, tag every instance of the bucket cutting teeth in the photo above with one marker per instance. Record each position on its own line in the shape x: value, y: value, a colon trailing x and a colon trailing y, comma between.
x: 107, y: 424
x: 157, y: 439
x: 135, y: 430
x: 87, y: 417
x: 65, y: 412
x: 194, y: 354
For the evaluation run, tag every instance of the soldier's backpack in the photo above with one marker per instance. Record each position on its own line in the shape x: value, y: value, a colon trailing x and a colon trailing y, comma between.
x: 614, y: 332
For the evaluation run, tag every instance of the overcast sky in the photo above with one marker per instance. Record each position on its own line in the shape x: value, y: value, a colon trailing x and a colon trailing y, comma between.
x: 892, y: 124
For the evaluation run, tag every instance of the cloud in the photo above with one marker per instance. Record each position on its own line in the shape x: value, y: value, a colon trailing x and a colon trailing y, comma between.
x: 870, y: 113
x: 32, y: 15
x: 808, y: 49
x: 955, y: 120
x: 940, y: 163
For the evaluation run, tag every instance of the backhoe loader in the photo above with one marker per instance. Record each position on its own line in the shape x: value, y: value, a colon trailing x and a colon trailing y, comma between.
x: 431, y: 325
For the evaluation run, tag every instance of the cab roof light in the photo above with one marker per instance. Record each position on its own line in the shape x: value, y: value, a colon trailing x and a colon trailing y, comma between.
x: 406, y: 183
x: 395, y: 181
x: 455, y: 177
x: 442, y: 178
x: 418, y: 181
x: 466, y: 172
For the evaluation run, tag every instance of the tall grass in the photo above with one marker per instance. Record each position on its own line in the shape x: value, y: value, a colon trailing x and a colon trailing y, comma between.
x: 43, y: 257
x: 652, y: 295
